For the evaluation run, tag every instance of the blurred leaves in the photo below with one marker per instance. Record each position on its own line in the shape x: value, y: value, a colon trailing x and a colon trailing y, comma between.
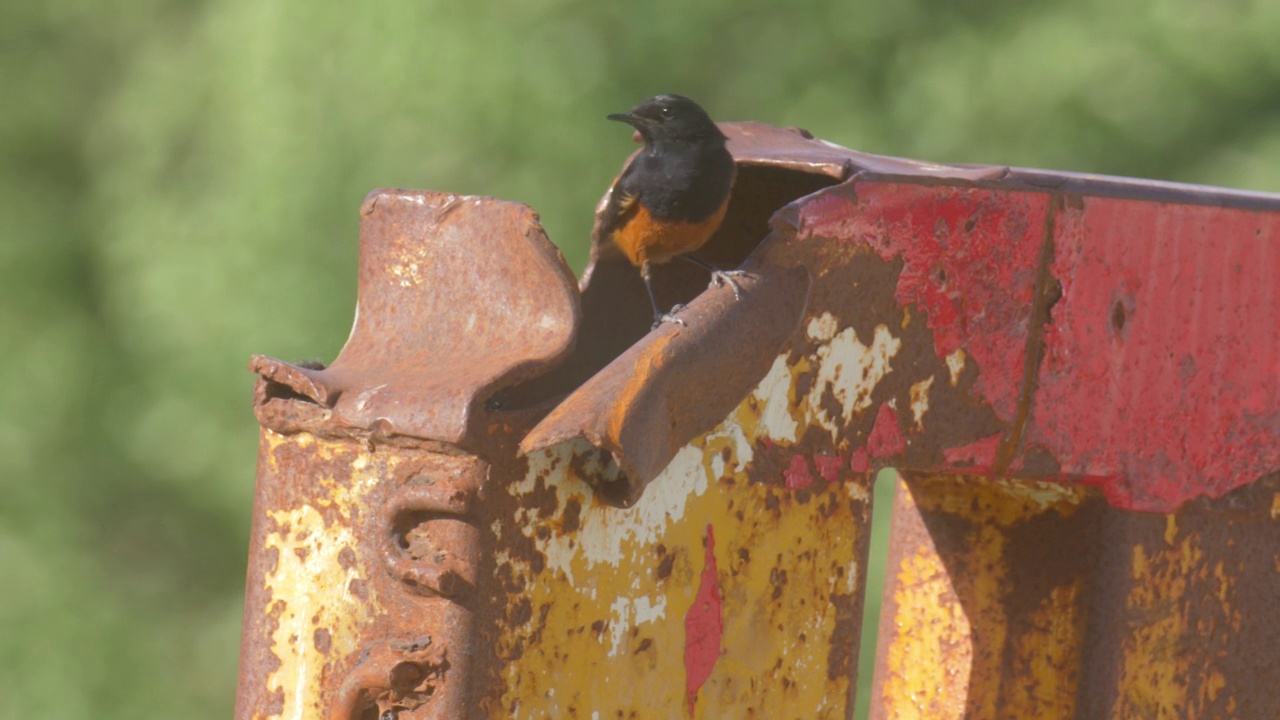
x: 180, y: 184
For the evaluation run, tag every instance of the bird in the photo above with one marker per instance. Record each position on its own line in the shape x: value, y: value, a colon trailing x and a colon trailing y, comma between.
x: 672, y: 196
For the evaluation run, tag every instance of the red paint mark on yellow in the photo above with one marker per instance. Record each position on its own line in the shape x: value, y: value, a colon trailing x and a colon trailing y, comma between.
x: 858, y: 462
x: 702, y: 627
x: 797, y: 474
x: 828, y: 466
x: 885, y: 439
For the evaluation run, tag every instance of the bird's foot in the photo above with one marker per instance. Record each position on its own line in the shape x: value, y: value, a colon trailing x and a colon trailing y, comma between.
x: 726, y: 277
x: 669, y: 317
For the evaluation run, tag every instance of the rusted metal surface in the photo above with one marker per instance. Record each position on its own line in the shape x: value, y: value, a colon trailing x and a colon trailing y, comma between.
x: 508, y: 498
x: 480, y: 268
x: 332, y: 629
x: 371, y: 572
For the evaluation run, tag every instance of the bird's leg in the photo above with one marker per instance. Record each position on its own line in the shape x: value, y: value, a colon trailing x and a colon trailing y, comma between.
x: 719, y: 277
x: 659, y: 317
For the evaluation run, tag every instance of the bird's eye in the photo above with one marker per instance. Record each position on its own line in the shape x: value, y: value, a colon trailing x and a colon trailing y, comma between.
x: 667, y: 112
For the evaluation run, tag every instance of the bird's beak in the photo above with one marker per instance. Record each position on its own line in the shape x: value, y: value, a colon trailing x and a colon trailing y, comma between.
x: 631, y: 119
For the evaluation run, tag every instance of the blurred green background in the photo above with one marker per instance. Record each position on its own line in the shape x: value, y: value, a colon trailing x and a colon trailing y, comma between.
x: 180, y: 184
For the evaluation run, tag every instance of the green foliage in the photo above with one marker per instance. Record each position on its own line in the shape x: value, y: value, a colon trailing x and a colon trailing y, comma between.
x: 180, y: 188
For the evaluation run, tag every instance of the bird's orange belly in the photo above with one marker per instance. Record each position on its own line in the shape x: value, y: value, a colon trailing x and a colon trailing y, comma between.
x: 645, y: 239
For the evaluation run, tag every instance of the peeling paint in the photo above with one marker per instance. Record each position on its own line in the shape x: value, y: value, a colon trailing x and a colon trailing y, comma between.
x: 823, y: 327
x: 311, y: 585
x: 1049, y: 650
x: 840, y: 365
x: 607, y: 532
x: 607, y: 600
x: 955, y: 364
x: 775, y: 397
x: 851, y: 371
x: 1003, y: 502
x: 920, y: 401
x: 628, y: 613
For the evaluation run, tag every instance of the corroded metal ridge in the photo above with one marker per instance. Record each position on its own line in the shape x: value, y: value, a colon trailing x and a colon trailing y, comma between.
x: 459, y: 297
x: 757, y: 144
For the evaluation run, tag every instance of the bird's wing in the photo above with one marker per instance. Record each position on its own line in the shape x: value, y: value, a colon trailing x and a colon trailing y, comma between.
x: 619, y: 206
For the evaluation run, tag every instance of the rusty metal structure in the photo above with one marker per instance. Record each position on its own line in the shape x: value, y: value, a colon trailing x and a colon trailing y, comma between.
x: 508, y: 498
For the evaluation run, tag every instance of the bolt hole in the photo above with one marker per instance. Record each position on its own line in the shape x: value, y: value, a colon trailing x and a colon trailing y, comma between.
x: 1118, y: 316
x: 411, y: 533
x: 404, y: 677
x: 366, y: 708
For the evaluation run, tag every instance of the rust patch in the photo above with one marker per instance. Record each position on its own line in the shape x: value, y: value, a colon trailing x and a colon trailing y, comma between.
x: 663, y: 570
x: 323, y: 641
x: 846, y: 636
x: 572, y: 511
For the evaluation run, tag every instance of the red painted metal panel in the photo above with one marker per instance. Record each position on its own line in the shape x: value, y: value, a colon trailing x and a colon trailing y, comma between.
x: 1161, y: 378
x: 1125, y: 343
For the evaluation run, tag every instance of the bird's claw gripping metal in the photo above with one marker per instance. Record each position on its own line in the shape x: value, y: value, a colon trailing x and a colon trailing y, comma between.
x: 726, y: 277
x: 669, y: 317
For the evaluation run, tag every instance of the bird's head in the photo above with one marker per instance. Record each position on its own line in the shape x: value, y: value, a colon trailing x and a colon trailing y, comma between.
x: 670, y: 117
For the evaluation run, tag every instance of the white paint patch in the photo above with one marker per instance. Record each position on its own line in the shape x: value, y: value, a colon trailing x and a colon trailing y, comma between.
x: 823, y: 327
x: 857, y: 492
x: 647, y: 611
x: 851, y: 577
x: 955, y: 363
x: 605, y: 530
x: 627, y: 613
x: 920, y: 401
x: 743, y: 453
x: 774, y: 396
x: 309, y: 582
x: 851, y: 371
x: 717, y: 466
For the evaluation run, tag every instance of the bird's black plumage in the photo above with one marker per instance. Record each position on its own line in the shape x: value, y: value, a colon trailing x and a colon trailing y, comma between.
x: 671, y: 197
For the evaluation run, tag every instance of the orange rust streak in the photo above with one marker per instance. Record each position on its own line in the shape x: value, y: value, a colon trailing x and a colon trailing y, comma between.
x: 644, y: 239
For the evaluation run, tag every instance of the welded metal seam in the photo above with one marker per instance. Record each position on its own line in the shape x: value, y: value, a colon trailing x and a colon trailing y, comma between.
x: 1045, y: 293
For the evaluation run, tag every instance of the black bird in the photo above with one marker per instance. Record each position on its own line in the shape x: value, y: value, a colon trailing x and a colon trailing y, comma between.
x: 671, y: 198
